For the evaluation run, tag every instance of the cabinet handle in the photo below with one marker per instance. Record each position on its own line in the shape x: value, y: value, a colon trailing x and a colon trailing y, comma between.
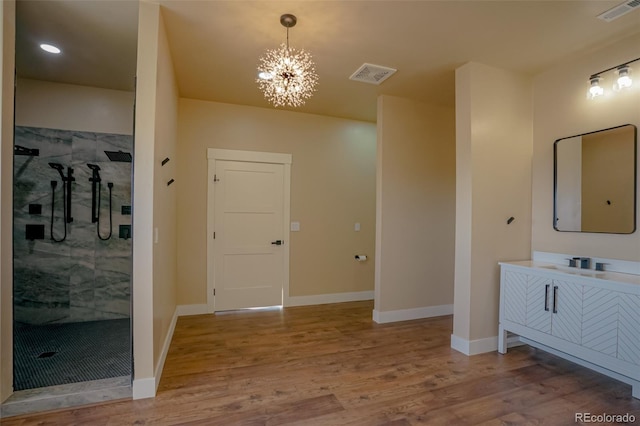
x: 555, y: 299
x: 546, y: 297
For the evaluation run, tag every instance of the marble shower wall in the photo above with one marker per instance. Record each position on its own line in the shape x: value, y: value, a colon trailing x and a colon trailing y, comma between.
x: 82, y: 278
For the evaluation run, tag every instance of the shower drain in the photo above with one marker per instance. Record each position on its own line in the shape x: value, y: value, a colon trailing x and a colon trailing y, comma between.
x: 47, y: 354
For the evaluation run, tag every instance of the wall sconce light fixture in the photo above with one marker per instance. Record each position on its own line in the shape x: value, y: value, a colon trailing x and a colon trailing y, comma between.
x: 624, y: 80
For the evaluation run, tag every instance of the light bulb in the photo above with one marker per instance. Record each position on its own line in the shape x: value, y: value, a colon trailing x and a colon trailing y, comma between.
x: 624, y: 78
x: 595, y: 89
x: 50, y: 48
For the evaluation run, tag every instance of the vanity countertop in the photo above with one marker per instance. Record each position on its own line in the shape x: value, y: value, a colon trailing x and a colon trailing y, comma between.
x: 577, y: 272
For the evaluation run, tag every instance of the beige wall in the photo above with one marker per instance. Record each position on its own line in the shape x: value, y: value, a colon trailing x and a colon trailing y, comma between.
x: 143, y: 193
x: 493, y: 163
x: 415, y: 205
x: 154, y: 270
x: 7, y: 32
x: 561, y: 110
x: 164, y: 197
x: 72, y: 107
x: 332, y: 188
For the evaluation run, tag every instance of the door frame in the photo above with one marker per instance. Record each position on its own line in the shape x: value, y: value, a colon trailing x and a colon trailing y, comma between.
x: 214, y: 154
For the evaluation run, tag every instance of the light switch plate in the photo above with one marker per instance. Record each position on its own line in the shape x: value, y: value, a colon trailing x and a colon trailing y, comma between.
x: 295, y: 226
x: 357, y: 226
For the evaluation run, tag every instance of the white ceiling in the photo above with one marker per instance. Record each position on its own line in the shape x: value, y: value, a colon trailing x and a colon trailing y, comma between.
x: 216, y: 44
x: 98, y: 41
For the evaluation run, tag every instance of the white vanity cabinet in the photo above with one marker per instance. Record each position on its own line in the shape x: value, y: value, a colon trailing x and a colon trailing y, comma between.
x: 592, y: 318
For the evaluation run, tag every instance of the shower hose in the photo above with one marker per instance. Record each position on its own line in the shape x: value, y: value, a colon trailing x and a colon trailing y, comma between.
x: 110, y: 186
x: 64, y: 210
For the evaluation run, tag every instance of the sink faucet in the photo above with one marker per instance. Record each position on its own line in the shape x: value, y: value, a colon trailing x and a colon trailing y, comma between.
x: 585, y: 263
x: 573, y: 261
x: 580, y: 262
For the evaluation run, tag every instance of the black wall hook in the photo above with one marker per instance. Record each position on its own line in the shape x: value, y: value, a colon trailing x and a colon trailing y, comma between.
x: 511, y: 219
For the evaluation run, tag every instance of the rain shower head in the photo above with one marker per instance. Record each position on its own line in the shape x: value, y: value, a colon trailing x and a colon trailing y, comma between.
x: 59, y: 167
x: 21, y: 150
x: 119, y: 156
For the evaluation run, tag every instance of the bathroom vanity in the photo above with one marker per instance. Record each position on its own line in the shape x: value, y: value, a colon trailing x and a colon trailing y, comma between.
x: 589, y: 317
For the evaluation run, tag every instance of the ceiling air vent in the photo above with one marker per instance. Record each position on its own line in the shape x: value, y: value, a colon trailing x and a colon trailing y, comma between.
x: 373, y: 74
x: 619, y: 10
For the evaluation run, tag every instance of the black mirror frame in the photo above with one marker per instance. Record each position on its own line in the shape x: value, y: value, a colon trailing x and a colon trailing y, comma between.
x: 635, y: 181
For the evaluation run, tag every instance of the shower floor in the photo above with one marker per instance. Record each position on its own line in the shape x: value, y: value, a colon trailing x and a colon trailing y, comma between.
x: 57, y: 354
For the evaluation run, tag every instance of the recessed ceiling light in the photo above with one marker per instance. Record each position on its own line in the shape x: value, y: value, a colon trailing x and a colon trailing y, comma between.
x: 50, y: 48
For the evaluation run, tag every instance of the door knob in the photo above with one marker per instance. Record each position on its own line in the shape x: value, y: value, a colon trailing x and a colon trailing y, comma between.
x: 277, y: 242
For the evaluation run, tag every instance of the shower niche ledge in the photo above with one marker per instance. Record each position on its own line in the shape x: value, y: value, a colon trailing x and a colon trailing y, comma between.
x: 66, y: 396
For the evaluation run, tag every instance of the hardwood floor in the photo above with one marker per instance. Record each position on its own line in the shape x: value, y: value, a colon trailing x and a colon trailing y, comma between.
x: 331, y: 365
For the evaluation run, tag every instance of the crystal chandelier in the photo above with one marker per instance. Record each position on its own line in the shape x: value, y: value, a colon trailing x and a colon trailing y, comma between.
x: 287, y: 76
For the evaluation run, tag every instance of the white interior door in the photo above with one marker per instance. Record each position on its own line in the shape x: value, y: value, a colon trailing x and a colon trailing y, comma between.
x: 249, y: 264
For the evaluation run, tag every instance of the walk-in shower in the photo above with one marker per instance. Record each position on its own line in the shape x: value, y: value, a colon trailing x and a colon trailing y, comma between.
x: 72, y: 285
x: 71, y: 274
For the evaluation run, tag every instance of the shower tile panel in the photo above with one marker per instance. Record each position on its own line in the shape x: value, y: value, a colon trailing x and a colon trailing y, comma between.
x: 41, y: 315
x: 82, y: 286
x: 41, y: 298
x: 113, y: 308
x: 112, y: 285
x: 77, y: 314
x: 115, y: 247
x: 81, y: 241
x: 70, y: 281
x: 84, y: 149
x: 54, y: 264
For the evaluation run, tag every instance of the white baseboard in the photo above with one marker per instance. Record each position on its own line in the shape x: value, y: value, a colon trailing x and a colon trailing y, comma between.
x: 474, y: 347
x: 144, y: 388
x: 382, y: 317
x: 147, y: 388
x: 321, y: 299
x: 185, y: 310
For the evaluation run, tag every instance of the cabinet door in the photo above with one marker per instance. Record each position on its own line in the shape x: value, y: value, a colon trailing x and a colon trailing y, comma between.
x: 600, y: 320
x: 515, y: 296
x: 566, y: 322
x: 538, y: 307
x: 629, y: 328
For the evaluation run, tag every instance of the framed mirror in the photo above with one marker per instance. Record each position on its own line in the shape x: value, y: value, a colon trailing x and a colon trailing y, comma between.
x: 595, y: 177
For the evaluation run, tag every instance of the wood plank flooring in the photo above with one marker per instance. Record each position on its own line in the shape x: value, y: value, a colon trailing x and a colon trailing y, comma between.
x: 331, y: 365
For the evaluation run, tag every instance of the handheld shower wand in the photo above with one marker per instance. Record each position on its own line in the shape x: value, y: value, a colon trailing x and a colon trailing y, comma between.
x: 95, y: 180
x: 66, y: 181
x: 54, y: 184
x: 96, y: 187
